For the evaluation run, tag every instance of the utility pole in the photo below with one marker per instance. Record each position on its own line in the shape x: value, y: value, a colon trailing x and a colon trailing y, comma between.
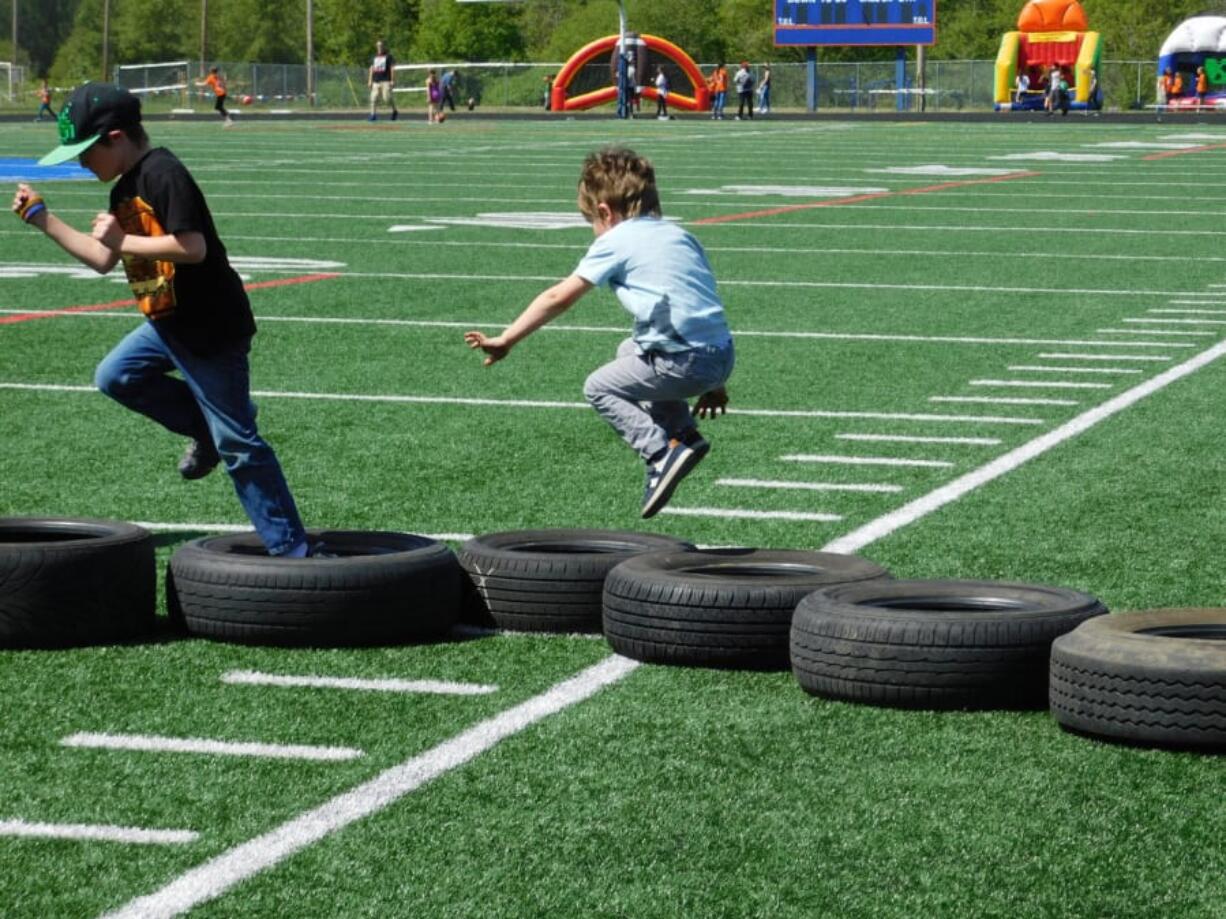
x: 310, y: 52
x: 106, y: 40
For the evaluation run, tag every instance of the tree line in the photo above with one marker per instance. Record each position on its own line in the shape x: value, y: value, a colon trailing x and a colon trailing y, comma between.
x: 63, y: 38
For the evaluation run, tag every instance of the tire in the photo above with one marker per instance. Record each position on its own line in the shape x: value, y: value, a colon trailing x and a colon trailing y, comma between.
x: 548, y: 580
x: 70, y: 582
x: 934, y: 644
x: 372, y: 588
x: 1156, y: 677
x: 726, y: 608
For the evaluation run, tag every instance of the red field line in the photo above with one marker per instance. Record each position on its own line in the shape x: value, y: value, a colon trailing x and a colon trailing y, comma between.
x: 1168, y: 153
x: 95, y: 307
x: 856, y: 199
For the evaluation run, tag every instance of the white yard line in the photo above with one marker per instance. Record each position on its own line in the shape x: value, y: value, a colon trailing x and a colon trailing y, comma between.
x: 94, y: 832
x: 1185, y: 332
x: 151, y: 744
x: 1105, y: 357
x: 532, y: 403
x: 1176, y: 321
x: 1039, y: 384
x: 809, y: 486
x: 1002, y: 400
x: 433, y: 687
x: 1190, y: 312
x: 863, y: 460
x: 133, y: 316
x: 739, y: 514
x: 213, y: 878
x: 905, y: 439
x: 921, y: 507
x: 1030, y: 368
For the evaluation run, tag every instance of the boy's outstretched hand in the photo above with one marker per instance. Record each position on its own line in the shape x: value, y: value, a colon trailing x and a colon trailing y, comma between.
x: 712, y: 403
x: 495, y: 348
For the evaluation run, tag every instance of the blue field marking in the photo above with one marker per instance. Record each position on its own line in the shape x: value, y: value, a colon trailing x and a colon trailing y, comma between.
x: 22, y: 169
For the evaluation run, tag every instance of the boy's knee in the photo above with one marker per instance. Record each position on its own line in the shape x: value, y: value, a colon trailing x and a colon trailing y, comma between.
x: 114, y: 382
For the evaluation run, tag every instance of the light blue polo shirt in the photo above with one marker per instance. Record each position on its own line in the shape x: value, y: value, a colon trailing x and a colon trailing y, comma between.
x: 661, y: 275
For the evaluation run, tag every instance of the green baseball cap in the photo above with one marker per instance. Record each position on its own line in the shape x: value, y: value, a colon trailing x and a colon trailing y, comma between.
x: 90, y: 112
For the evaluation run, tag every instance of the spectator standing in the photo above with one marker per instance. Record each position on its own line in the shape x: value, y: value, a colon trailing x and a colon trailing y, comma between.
x: 661, y: 94
x: 434, y: 95
x: 764, y: 91
x: 718, y: 84
x: 1202, y: 87
x: 744, y: 91
x: 1165, y: 83
x: 549, y: 92
x: 381, y: 80
x: 44, y: 102
x: 1021, y: 86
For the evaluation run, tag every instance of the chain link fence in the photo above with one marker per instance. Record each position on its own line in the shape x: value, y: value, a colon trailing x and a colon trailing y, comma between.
x: 949, y: 86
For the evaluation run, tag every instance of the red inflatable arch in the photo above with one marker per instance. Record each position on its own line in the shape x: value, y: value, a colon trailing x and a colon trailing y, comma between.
x: 558, y: 102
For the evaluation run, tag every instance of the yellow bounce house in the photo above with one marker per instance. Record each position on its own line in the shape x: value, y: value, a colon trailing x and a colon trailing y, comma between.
x: 1050, y: 33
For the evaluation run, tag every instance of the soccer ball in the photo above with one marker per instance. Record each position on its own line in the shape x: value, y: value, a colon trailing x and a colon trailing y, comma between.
x: 247, y: 100
x: 442, y: 116
x: 472, y: 103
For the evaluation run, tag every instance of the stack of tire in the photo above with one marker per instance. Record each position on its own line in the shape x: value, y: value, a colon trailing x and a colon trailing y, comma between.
x: 844, y: 626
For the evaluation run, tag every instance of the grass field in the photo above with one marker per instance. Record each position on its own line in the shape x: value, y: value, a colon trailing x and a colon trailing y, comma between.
x: 1017, y: 353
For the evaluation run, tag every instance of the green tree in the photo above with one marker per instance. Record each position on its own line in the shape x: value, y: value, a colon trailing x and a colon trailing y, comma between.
x: 346, y: 30
x: 468, y: 32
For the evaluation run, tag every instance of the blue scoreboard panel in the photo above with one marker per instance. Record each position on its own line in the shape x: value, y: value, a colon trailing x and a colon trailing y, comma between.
x: 855, y: 22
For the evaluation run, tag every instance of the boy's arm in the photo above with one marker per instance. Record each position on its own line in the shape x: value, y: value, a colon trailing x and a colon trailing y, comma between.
x: 548, y: 305
x: 29, y: 206
x: 188, y: 247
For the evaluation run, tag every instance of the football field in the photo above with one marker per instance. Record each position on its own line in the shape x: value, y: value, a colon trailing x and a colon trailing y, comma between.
x: 981, y: 351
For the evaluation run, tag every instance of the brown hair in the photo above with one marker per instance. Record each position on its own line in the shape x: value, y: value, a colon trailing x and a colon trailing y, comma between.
x: 620, y: 178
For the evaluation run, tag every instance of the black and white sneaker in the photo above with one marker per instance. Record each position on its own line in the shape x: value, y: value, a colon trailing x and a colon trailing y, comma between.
x: 199, y: 459
x: 665, y: 476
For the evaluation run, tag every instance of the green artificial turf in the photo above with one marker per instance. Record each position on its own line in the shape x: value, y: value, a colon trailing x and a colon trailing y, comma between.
x: 676, y: 793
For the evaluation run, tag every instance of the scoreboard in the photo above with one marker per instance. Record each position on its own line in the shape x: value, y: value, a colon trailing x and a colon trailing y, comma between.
x: 855, y: 22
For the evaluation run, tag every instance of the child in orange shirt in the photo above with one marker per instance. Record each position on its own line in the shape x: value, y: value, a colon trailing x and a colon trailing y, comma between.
x: 218, y: 83
x: 719, y: 90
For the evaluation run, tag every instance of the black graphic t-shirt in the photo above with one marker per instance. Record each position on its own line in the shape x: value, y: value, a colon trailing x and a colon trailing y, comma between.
x: 203, y: 304
x: 381, y: 68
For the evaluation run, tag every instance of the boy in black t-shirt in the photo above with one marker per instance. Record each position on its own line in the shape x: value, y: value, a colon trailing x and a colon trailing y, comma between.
x: 199, y: 318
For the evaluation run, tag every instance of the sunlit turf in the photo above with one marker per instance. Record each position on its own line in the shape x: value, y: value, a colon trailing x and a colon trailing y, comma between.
x: 678, y: 792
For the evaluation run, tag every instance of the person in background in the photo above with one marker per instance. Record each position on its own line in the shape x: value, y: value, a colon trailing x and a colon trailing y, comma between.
x: 1021, y: 86
x: 661, y: 94
x: 744, y: 92
x: 764, y: 91
x: 44, y: 102
x: 218, y: 84
x: 1166, y: 82
x: 381, y: 80
x: 718, y: 84
x: 448, y: 83
x: 1176, y: 86
x: 1202, y: 87
x: 548, y: 92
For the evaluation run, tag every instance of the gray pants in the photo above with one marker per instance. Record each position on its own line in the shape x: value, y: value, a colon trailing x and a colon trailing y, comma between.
x: 643, y: 396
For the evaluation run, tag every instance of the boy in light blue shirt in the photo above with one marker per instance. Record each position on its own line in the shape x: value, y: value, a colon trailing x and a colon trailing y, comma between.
x: 680, y: 345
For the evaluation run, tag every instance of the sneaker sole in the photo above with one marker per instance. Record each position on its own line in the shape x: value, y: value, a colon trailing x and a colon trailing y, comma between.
x: 669, y: 483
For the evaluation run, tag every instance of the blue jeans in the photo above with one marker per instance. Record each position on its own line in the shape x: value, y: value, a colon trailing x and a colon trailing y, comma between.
x: 212, y: 403
x: 642, y: 396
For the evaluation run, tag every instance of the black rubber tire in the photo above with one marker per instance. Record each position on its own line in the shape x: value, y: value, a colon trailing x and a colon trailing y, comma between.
x: 934, y: 644
x: 728, y: 608
x: 378, y: 589
x: 70, y: 582
x: 548, y: 580
x: 1155, y: 677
